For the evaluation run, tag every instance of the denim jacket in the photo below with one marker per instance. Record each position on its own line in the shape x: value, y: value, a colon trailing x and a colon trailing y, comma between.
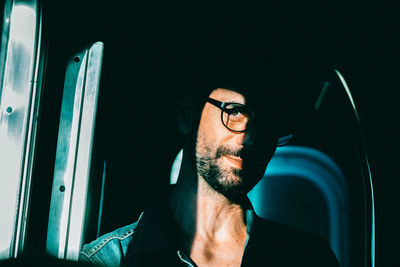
x: 109, y: 249
x: 153, y: 241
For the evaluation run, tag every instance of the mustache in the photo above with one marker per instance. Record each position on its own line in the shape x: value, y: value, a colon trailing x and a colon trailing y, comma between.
x: 222, y: 151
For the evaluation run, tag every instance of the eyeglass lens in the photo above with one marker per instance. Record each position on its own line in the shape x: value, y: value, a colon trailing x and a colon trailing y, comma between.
x: 236, y: 117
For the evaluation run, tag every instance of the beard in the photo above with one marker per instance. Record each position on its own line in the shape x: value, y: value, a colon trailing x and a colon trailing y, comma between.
x: 226, y: 180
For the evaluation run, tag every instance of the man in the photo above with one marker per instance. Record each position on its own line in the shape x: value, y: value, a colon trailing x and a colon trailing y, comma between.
x: 208, y: 220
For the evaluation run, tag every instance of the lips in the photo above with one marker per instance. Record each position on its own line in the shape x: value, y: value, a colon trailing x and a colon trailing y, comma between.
x: 236, y: 161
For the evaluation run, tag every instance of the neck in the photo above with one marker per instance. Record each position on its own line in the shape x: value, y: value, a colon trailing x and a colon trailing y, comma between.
x: 204, y: 214
x: 217, y: 217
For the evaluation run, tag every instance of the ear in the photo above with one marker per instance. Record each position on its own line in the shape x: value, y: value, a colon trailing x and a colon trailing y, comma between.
x: 186, y: 112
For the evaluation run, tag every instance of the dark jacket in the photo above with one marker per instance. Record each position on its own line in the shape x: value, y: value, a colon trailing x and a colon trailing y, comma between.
x: 153, y: 241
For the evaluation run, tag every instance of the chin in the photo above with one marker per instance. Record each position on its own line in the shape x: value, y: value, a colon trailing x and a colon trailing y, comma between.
x: 252, y: 175
x: 236, y: 195
x: 233, y: 180
x: 235, y: 189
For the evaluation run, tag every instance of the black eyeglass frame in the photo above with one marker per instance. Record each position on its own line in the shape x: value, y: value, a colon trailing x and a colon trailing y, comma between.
x: 222, y: 106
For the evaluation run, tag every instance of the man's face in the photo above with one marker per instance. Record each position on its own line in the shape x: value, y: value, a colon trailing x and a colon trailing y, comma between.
x: 231, y: 162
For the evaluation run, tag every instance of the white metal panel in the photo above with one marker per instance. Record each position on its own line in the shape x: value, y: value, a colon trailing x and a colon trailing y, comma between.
x: 73, y: 156
x: 20, y: 77
x: 84, y: 153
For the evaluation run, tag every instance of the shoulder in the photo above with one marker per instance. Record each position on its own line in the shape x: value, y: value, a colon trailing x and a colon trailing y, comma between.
x: 285, y: 233
x: 289, y: 244
x: 109, y: 249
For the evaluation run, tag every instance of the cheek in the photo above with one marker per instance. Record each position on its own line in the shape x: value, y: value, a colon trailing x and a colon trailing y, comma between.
x: 210, y: 134
x: 200, y: 144
x: 204, y: 145
x: 260, y: 156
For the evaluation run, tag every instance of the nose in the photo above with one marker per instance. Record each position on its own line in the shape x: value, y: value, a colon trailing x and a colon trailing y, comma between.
x: 244, y: 139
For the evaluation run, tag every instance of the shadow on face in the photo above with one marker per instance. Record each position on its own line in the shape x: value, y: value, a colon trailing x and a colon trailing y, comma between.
x: 232, y: 162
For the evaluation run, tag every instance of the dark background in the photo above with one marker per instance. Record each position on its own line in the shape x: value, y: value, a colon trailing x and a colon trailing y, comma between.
x: 154, y: 50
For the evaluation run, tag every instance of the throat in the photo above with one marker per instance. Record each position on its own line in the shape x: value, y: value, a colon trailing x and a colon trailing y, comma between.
x: 213, y: 229
x: 220, y: 235
x: 205, y: 252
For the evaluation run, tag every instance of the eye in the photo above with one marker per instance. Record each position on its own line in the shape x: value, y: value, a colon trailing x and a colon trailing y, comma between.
x: 236, y: 113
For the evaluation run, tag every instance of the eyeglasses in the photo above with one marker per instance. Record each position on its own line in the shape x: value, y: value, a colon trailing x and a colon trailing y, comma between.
x: 234, y: 116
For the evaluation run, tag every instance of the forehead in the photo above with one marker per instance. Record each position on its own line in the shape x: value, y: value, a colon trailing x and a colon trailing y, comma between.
x: 227, y: 95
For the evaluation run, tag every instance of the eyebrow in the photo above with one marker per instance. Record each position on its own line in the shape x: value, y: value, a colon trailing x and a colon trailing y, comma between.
x: 229, y: 101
